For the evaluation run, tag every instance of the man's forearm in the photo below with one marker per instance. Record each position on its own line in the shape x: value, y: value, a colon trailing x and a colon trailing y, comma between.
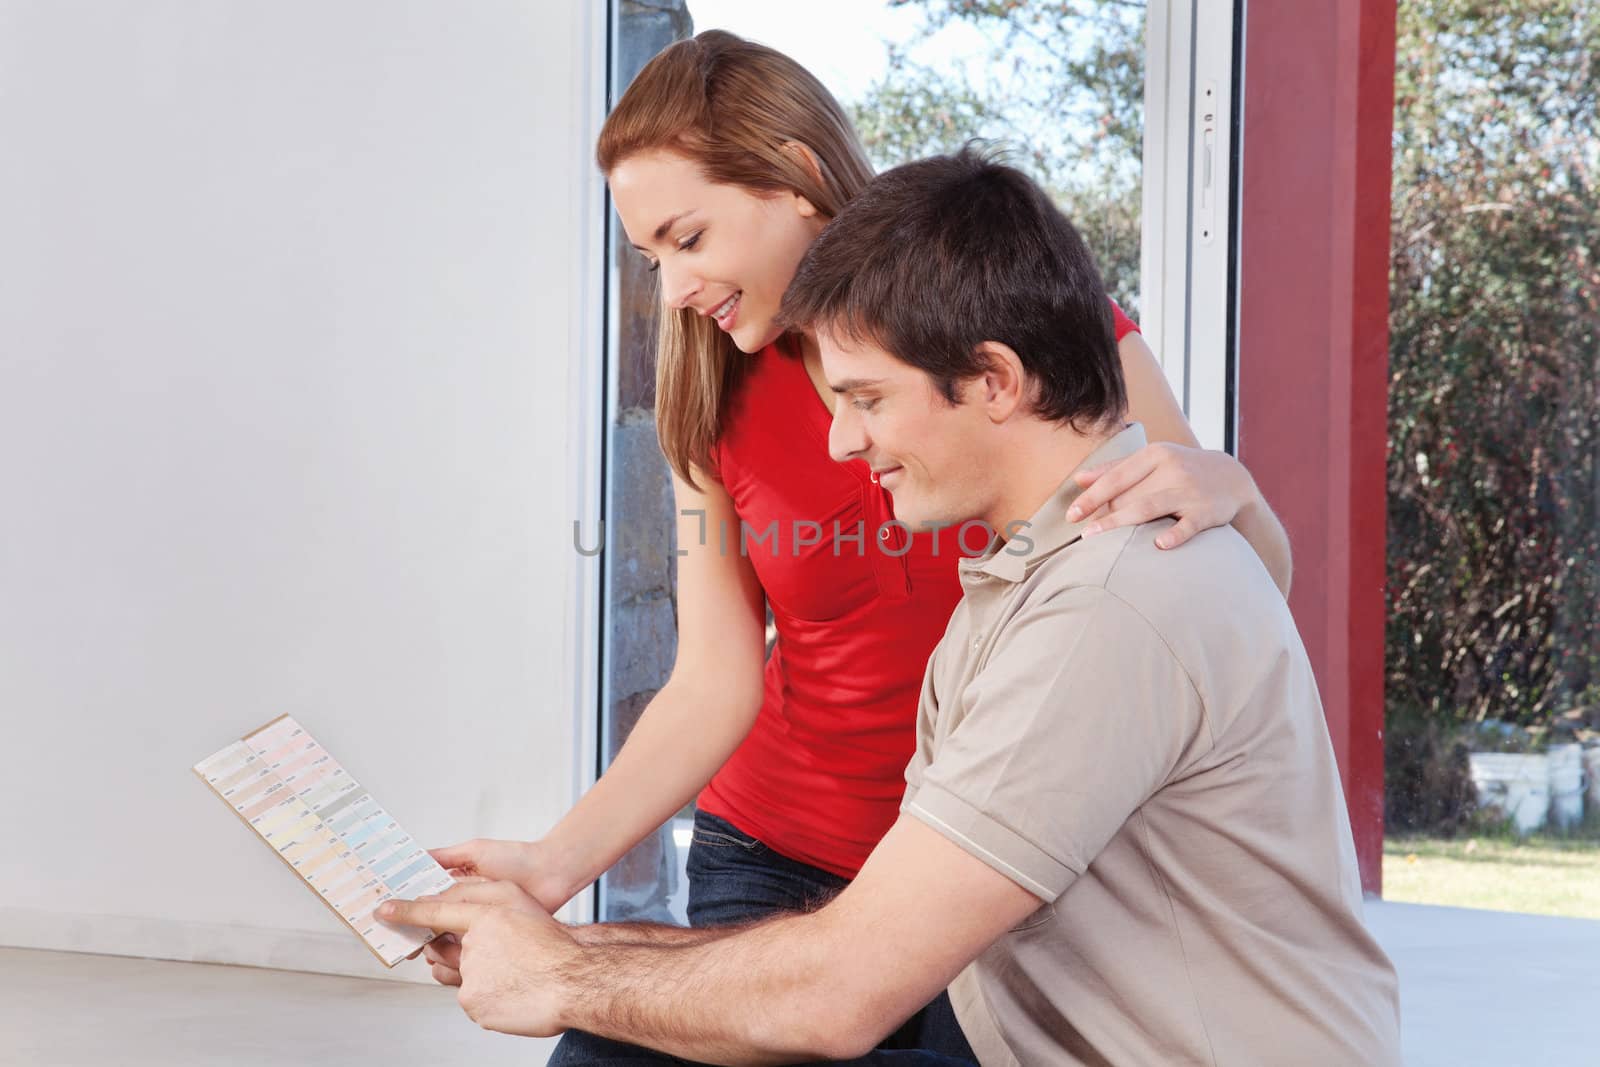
x: 593, y: 935
x: 758, y: 998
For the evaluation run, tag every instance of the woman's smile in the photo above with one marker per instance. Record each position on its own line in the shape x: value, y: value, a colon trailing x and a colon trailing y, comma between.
x: 727, y: 312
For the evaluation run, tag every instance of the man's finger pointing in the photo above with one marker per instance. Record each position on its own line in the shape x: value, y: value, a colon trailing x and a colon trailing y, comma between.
x: 441, y: 916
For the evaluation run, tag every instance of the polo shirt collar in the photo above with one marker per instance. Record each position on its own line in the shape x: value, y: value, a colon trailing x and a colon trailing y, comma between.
x: 1049, y: 529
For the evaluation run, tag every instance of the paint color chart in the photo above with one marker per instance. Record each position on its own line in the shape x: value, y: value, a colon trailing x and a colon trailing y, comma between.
x: 328, y: 829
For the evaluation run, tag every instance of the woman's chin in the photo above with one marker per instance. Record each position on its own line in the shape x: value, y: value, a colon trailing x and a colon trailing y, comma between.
x: 750, y: 339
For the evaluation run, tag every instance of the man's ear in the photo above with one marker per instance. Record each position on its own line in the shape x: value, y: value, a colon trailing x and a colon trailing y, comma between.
x: 1003, y: 385
x: 808, y: 160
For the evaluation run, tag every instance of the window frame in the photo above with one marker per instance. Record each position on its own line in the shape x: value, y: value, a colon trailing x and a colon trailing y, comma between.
x: 1189, y: 248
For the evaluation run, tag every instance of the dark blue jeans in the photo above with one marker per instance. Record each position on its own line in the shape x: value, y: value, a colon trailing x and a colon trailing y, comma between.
x: 734, y: 878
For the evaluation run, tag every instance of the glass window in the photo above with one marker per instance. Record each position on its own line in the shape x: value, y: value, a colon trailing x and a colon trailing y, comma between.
x: 1060, y: 86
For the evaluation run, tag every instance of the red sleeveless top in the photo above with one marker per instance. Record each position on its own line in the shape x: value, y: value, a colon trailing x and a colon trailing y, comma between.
x: 858, y: 606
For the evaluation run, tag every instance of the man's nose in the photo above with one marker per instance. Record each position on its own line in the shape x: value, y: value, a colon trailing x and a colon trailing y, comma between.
x: 847, y: 438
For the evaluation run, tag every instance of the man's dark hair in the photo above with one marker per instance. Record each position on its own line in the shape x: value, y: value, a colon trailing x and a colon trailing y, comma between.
x: 935, y: 257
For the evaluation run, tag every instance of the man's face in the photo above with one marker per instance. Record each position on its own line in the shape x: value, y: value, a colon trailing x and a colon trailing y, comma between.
x: 929, y: 454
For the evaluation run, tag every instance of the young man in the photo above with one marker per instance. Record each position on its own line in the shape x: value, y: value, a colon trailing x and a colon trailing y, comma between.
x: 1123, y: 838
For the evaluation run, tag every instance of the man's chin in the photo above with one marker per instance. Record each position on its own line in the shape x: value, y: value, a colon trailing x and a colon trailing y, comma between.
x: 929, y: 518
x: 918, y: 518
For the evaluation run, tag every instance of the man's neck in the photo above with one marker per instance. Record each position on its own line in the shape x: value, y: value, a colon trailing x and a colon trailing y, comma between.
x: 1035, y: 467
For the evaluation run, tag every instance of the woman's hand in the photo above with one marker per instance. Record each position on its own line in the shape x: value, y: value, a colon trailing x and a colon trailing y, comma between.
x: 525, y: 863
x: 1199, y: 488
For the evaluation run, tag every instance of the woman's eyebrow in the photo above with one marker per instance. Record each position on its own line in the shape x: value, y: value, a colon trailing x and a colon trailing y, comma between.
x: 661, y: 231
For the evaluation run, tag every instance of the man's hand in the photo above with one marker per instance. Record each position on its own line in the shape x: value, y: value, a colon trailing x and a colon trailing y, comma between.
x: 523, y: 865
x: 816, y: 985
x: 444, y: 952
x: 510, y: 957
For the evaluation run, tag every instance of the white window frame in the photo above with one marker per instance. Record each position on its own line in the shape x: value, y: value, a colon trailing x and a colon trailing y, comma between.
x: 594, y: 329
x: 1187, y: 246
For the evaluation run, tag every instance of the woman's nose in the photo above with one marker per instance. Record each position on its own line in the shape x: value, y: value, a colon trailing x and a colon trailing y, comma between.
x: 678, y: 287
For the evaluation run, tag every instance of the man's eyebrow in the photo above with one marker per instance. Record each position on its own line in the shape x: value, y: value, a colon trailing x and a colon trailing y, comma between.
x: 661, y: 231
x: 850, y: 385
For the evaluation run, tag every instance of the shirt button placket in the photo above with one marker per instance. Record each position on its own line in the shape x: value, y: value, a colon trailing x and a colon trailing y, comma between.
x: 889, y: 562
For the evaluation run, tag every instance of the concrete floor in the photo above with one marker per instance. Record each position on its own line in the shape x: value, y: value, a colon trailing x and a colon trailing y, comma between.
x: 1492, y: 987
x: 65, y: 1010
x: 1477, y: 987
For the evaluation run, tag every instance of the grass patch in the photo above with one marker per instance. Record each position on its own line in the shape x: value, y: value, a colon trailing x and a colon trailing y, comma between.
x: 1542, y: 874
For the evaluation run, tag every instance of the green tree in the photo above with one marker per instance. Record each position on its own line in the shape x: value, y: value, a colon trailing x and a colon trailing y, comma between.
x: 1062, y: 89
x: 1494, y: 441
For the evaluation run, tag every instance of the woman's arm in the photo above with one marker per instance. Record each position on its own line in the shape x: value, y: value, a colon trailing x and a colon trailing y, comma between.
x: 1150, y: 398
x: 1174, y: 476
x: 698, y: 718
x: 686, y: 732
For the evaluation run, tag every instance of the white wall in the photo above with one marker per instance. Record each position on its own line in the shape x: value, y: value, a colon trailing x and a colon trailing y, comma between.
x: 299, y: 322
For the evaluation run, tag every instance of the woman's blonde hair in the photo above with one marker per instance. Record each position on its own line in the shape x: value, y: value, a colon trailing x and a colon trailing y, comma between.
x: 736, y: 108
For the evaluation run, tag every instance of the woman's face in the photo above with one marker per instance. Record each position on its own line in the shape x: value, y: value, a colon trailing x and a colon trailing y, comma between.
x: 722, y: 250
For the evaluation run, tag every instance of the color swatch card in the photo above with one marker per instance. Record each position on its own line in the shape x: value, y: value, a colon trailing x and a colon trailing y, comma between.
x: 328, y: 829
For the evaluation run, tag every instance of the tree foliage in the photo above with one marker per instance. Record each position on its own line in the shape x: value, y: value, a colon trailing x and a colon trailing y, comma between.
x: 1494, y: 400
x: 1062, y: 89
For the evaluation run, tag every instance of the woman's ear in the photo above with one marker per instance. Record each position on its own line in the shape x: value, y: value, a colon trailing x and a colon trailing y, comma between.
x: 808, y: 160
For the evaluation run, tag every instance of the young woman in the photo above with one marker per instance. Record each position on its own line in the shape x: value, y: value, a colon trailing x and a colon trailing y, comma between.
x: 725, y: 159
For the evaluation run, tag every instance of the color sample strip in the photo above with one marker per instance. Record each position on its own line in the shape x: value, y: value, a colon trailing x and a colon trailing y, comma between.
x: 329, y: 830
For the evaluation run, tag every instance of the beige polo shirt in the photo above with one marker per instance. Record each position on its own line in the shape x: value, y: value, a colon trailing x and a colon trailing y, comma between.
x: 1134, y: 736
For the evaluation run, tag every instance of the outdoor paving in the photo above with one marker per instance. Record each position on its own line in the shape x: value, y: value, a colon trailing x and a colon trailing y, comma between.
x: 1492, y: 987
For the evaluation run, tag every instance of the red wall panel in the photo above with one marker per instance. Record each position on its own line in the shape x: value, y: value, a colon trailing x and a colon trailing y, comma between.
x: 1313, y: 335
